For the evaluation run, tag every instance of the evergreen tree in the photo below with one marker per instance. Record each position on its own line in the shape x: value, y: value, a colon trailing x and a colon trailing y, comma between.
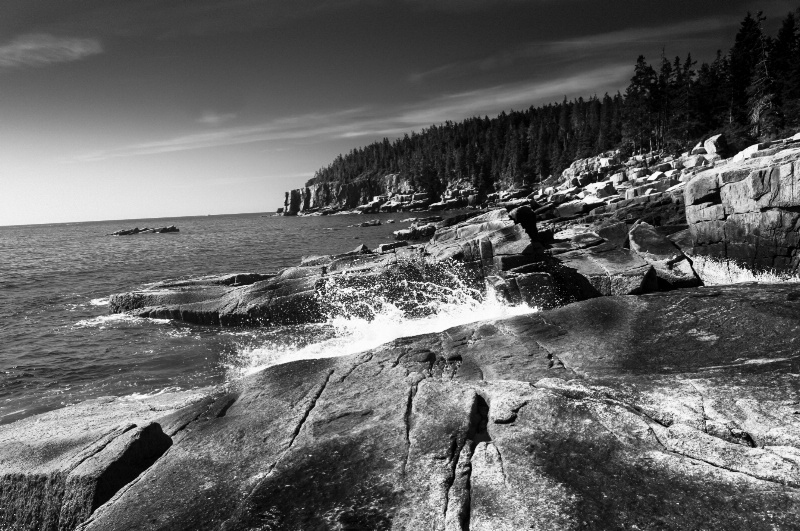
x: 761, y: 92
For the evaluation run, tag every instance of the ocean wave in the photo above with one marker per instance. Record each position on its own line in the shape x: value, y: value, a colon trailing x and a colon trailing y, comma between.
x: 101, y: 301
x: 116, y: 319
x: 349, y: 333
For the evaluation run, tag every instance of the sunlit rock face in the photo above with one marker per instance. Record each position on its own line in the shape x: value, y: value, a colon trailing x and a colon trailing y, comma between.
x: 748, y: 209
x: 613, y: 413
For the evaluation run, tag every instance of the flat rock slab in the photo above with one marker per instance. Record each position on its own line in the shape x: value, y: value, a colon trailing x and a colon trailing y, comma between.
x: 677, y: 410
x: 58, y: 467
x: 610, y: 270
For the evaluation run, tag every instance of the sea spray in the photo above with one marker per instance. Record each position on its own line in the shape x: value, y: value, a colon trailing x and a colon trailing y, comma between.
x: 716, y: 272
x: 366, y: 311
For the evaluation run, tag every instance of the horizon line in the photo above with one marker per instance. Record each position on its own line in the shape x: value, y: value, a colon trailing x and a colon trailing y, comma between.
x: 133, y: 219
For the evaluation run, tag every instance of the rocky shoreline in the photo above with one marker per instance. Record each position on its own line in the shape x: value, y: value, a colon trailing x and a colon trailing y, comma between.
x: 637, y: 397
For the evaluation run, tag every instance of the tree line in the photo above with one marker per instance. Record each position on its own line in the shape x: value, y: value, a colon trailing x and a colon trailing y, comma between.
x: 750, y: 94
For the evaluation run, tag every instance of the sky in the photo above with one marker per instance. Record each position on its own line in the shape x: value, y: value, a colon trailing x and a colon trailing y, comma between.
x: 126, y: 109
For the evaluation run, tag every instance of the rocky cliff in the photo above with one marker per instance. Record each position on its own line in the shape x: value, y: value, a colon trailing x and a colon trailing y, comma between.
x: 335, y: 195
x: 748, y: 209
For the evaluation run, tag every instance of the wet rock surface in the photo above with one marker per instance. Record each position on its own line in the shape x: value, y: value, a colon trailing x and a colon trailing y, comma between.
x: 674, y: 410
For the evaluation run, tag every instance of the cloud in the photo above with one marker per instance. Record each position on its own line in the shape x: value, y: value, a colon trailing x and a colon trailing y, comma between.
x: 213, y: 118
x: 583, y: 47
x: 171, y: 18
x: 368, y: 123
x: 465, y: 5
x: 41, y: 49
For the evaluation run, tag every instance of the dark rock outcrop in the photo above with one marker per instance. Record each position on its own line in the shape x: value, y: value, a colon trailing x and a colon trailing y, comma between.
x: 748, y: 209
x: 674, y: 410
x: 145, y: 230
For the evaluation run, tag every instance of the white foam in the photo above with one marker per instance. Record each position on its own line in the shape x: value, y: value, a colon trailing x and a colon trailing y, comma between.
x: 144, y: 396
x: 717, y: 272
x: 108, y: 321
x: 352, y: 334
x: 102, y: 301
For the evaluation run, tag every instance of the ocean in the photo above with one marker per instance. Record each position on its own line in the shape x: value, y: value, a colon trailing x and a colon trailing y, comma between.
x: 59, y: 345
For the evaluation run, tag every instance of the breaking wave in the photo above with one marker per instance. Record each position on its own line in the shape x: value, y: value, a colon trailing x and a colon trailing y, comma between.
x: 364, y: 312
x: 716, y: 272
x: 116, y: 319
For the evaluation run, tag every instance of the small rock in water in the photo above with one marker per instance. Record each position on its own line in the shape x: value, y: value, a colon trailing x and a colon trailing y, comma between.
x: 146, y: 230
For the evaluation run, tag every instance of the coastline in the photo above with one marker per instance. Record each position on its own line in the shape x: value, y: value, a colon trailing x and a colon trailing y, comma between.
x: 632, y: 378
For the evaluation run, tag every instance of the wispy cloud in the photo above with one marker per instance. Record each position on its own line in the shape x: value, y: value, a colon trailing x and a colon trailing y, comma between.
x: 301, y: 127
x: 41, y: 49
x: 367, y: 123
x: 596, y: 45
x: 214, y: 118
x: 462, y: 5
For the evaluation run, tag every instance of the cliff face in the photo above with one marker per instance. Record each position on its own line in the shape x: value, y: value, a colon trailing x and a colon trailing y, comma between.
x: 344, y: 196
x: 748, y: 209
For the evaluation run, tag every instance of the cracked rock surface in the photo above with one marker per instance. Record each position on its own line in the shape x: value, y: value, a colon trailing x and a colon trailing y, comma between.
x: 675, y: 410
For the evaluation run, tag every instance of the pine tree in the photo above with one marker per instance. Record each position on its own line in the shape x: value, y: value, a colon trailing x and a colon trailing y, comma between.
x: 761, y: 93
x: 638, y: 119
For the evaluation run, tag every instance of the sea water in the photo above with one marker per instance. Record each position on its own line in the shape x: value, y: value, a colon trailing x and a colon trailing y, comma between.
x: 59, y: 344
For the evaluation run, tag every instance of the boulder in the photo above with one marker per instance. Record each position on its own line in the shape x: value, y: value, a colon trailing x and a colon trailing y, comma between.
x: 716, y: 145
x: 386, y: 247
x: 569, y: 209
x: 672, y: 268
x: 618, y: 178
x: 609, y: 270
x: 695, y: 161
x: 417, y: 231
x: 526, y: 217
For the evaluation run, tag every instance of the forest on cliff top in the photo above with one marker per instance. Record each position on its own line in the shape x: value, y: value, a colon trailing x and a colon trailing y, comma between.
x: 750, y: 94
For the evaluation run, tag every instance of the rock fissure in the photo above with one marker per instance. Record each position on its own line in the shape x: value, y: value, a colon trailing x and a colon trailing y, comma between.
x: 704, y: 418
x: 407, y: 421
x: 792, y: 484
x: 309, y: 408
x: 354, y: 367
x: 512, y: 418
x: 501, y: 463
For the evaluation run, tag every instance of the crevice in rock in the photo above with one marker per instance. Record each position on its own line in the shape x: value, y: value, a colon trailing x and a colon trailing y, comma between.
x: 794, y: 484
x: 459, y: 485
x: 702, y: 407
x: 221, y: 406
x: 412, y: 391
x: 479, y: 421
x: 396, y: 362
x: 311, y: 405
x: 458, y: 497
x: 553, y: 361
x: 502, y: 465
x: 512, y: 418
x: 140, y: 455
x: 354, y: 367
